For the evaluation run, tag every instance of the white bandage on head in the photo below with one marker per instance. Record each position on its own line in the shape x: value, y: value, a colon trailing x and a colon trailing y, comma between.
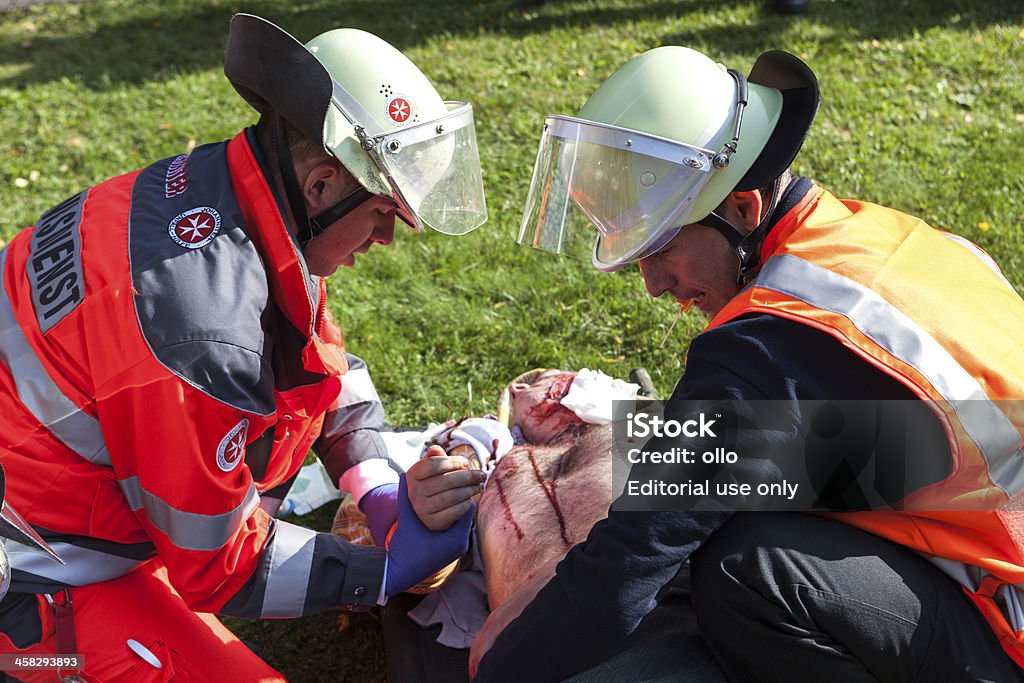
x: 592, y: 393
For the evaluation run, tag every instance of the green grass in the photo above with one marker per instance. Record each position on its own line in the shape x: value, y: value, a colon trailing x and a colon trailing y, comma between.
x: 923, y: 110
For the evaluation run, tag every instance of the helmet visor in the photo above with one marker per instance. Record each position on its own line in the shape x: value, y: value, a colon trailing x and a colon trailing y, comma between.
x: 433, y: 169
x: 635, y: 188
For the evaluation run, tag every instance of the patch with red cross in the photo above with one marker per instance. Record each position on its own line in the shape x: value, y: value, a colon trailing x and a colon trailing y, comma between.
x: 231, y: 450
x: 398, y: 110
x: 195, y: 228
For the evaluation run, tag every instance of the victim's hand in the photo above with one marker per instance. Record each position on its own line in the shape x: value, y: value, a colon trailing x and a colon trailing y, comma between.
x: 441, y: 488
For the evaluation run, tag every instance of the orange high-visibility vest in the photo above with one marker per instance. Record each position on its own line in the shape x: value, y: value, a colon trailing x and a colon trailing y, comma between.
x: 933, y: 311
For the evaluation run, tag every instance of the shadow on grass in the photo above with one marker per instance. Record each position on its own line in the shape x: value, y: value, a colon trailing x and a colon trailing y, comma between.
x: 851, y: 21
x: 107, y: 45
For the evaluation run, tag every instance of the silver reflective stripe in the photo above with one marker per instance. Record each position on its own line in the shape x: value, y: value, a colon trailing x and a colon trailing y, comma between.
x: 82, y: 566
x: 966, y: 575
x: 1009, y: 597
x: 356, y: 387
x: 996, y: 437
x: 291, y: 560
x: 73, y: 427
x: 1013, y: 606
x: 189, y: 530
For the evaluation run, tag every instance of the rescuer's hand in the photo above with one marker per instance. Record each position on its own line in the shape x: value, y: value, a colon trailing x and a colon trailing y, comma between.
x: 441, y: 488
x: 415, y: 552
x: 380, y: 505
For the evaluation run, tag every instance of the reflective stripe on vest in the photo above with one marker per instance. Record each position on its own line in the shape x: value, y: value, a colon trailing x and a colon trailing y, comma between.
x: 189, y: 530
x: 291, y: 560
x: 356, y: 387
x: 934, y: 312
x: 82, y: 566
x: 73, y: 427
x: 970, y: 577
x: 1013, y: 602
x: 887, y: 326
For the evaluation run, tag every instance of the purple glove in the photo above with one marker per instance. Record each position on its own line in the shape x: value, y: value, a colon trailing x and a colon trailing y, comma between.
x: 415, y: 552
x: 380, y: 505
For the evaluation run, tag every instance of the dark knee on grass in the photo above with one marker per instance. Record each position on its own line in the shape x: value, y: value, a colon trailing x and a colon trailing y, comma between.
x: 724, y: 570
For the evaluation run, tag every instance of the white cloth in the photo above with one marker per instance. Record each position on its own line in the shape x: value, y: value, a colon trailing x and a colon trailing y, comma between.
x: 488, y: 438
x: 312, y: 488
x: 592, y: 394
x: 364, y: 477
x: 459, y: 606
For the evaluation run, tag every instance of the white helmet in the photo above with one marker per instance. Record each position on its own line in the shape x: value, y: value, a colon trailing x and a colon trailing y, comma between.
x: 659, y: 145
x: 373, y: 110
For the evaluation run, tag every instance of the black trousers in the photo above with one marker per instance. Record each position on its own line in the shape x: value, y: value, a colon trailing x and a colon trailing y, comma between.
x: 412, y: 652
x: 779, y: 597
x: 792, y: 597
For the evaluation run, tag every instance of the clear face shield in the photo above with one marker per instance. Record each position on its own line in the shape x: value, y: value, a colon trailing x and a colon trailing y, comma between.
x: 632, y: 187
x: 635, y: 188
x: 432, y: 168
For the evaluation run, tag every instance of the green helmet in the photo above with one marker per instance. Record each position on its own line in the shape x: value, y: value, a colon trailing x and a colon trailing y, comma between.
x: 373, y: 110
x: 660, y: 144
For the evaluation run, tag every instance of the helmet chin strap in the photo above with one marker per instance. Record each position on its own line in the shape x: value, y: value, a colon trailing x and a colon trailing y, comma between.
x: 309, y: 227
x: 327, y: 218
x: 747, y: 247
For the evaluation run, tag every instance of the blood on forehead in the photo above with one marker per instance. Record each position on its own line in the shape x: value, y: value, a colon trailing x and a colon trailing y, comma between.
x: 560, y: 386
x: 549, y: 414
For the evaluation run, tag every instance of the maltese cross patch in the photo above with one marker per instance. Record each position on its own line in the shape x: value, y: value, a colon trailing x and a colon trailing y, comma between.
x: 231, y: 450
x: 195, y: 228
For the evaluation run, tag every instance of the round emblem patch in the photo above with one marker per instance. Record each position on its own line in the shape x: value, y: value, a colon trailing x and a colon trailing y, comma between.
x: 398, y: 110
x: 231, y: 450
x: 195, y: 228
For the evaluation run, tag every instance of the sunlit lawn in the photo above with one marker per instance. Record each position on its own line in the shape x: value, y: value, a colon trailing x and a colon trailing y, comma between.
x: 923, y: 110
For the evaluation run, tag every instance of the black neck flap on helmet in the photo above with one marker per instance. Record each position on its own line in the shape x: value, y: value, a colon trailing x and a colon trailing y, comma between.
x: 279, y: 77
x: 800, y: 98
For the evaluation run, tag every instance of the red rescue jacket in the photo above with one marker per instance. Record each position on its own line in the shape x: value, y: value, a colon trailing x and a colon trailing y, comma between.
x: 162, y: 362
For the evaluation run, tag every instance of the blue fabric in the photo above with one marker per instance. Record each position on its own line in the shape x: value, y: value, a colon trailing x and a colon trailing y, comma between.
x: 380, y: 505
x: 415, y: 552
